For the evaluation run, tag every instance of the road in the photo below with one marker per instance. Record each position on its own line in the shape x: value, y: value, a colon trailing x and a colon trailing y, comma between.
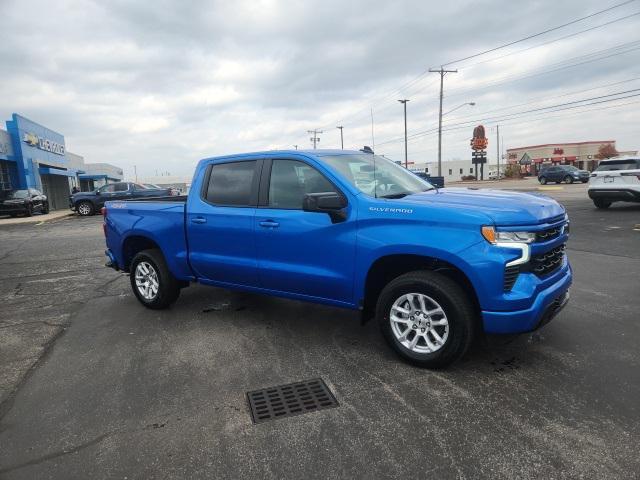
x: 125, y: 392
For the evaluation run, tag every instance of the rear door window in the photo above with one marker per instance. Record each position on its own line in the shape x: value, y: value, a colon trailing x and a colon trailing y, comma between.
x: 232, y: 184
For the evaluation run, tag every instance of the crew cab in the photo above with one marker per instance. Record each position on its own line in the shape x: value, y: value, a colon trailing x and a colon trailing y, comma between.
x: 434, y: 267
x: 89, y: 203
x: 615, y: 180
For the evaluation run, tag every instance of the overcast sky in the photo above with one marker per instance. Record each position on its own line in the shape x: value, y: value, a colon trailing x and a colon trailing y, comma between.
x: 162, y: 84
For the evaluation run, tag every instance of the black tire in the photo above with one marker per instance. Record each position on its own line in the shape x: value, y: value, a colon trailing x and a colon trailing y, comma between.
x: 543, y: 180
x: 601, y: 203
x: 168, y: 287
x: 45, y: 208
x: 451, y: 298
x: 29, y: 211
x: 85, y: 208
x: 568, y: 179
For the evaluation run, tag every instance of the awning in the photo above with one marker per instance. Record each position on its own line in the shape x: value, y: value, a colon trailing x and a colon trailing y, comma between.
x: 56, y: 171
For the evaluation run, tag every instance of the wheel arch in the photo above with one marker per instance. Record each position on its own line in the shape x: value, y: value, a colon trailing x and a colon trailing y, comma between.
x: 134, y: 244
x: 386, y: 268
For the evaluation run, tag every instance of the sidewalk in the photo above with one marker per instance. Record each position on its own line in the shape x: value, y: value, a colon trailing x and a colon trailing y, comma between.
x: 37, y: 217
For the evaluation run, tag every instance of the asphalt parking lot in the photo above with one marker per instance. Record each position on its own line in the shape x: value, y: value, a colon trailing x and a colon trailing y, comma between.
x: 113, y: 390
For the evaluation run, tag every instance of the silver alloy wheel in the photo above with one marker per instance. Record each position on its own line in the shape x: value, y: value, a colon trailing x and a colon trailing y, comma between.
x: 419, y: 323
x: 147, y: 281
x: 84, y: 209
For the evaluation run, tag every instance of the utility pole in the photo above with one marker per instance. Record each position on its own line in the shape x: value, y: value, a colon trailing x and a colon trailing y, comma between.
x: 341, y: 138
x: 296, y: 147
x: 315, y: 139
x: 373, y: 138
x: 498, y: 149
x: 135, y: 173
x: 406, y: 158
x: 442, y: 73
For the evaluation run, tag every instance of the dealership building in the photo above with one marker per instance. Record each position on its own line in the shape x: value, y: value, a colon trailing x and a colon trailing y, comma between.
x: 34, y: 156
x: 579, y: 154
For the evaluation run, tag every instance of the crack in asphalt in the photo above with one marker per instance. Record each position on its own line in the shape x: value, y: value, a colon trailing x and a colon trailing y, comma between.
x: 57, y: 454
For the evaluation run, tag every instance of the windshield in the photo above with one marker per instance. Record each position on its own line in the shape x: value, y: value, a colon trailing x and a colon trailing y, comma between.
x: 18, y: 194
x: 377, y: 176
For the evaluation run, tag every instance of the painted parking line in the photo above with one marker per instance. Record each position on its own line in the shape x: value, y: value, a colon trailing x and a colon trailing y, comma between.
x: 550, y: 188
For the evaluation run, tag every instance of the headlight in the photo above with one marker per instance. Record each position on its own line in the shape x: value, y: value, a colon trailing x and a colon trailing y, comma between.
x: 495, y: 237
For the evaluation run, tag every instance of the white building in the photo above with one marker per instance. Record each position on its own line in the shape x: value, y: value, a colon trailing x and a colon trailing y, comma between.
x: 454, y: 170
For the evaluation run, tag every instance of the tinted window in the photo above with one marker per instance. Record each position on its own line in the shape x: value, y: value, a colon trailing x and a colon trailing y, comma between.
x: 18, y: 194
x: 292, y: 180
x: 231, y: 183
x: 619, y: 165
x: 108, y: 188
x: 121, y: 187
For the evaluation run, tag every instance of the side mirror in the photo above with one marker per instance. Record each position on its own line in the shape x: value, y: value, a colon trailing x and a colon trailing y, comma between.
x: 97, y: 192
x: 326, y: 202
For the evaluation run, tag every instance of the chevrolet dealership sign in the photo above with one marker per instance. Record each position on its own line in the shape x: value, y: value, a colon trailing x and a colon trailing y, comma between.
x: 43, y: 144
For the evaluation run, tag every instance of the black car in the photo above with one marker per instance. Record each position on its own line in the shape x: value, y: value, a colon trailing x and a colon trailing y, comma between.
x: 563, y: 173
x: 89, y: 203
x: 27, y: 201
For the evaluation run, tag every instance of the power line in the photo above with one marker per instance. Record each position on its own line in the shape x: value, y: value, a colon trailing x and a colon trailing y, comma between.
x: 529, y: 37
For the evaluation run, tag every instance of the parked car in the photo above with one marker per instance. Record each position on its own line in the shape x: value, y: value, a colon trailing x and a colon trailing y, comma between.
x: 26, y: 201
x: 89, y: 203
x: 493, y: 175
x: 615, y: 180
x: 434, y: 267
x: 563, y: 173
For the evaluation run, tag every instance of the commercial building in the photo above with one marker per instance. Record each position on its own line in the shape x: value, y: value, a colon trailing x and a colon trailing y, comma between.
x: 580, y: 154
x: 34, y: 156
x: 454, y: 170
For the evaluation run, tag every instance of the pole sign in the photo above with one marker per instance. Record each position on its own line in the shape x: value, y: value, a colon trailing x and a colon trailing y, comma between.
x: 479, y: 144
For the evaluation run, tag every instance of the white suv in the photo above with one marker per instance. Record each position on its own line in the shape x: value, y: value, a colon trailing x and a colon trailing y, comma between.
x: 615, y: 180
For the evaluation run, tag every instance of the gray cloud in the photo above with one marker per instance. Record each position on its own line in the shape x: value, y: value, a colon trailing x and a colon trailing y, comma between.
x: 162, y: 85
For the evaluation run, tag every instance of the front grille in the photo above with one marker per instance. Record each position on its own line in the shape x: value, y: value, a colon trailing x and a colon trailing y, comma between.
x: 510, y: 277
x: 548, y: 234
x: 546, y: 263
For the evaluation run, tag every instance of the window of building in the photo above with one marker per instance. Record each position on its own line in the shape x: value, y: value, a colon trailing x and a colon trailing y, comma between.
x: 450, y: 172
x: 291, y: 180
x: 426, y: 170
x: 471, y: 170
x: 460, y: 171
x: 231, y: 183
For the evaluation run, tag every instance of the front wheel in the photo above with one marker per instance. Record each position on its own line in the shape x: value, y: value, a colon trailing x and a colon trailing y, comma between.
x: 152, y: 282
x: 45, y: 208
x: 426, y: 318
x: 29, y: 210
x: 600, y: 203
x: 85, y: 209
x: 543, y: 180
x: 568, y: 179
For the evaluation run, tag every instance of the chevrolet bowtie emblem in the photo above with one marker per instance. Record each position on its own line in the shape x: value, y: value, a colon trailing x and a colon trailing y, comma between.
x: 31, y: 139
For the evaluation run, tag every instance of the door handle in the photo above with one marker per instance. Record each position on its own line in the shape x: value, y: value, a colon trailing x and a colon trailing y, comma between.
x: 199, y: 220
x: 269, y: 224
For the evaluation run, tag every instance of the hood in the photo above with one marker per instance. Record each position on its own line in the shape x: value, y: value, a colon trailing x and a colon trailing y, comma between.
x: 502, y: 206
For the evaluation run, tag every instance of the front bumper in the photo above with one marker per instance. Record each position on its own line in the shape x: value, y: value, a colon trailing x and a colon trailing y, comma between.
x: 545, y: 307
x: 9, y: 209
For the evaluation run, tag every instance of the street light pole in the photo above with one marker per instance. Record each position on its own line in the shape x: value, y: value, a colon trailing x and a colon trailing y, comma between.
x: 442, y: 73
x: 341, y: 138
x: 406, y: 158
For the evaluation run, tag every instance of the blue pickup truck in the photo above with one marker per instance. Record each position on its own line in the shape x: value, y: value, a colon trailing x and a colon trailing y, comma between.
x: 434, y: 267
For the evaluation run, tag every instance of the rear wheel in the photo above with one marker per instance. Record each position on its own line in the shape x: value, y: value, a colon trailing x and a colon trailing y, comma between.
x: 601, y: 203
x: 85, y: 208
x: 543, y: 180
x: 152, y: 282
x: 568, y: 179
x: 426, y: 318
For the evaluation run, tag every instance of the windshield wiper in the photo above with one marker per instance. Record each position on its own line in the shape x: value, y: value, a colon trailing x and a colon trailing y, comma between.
x: 404, y: 194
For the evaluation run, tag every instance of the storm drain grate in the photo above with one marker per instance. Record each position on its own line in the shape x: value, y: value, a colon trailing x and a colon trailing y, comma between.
x: 289, y: 400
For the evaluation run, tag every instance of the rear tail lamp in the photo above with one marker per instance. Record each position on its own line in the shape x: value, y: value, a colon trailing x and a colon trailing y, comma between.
x: 630, y: 174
